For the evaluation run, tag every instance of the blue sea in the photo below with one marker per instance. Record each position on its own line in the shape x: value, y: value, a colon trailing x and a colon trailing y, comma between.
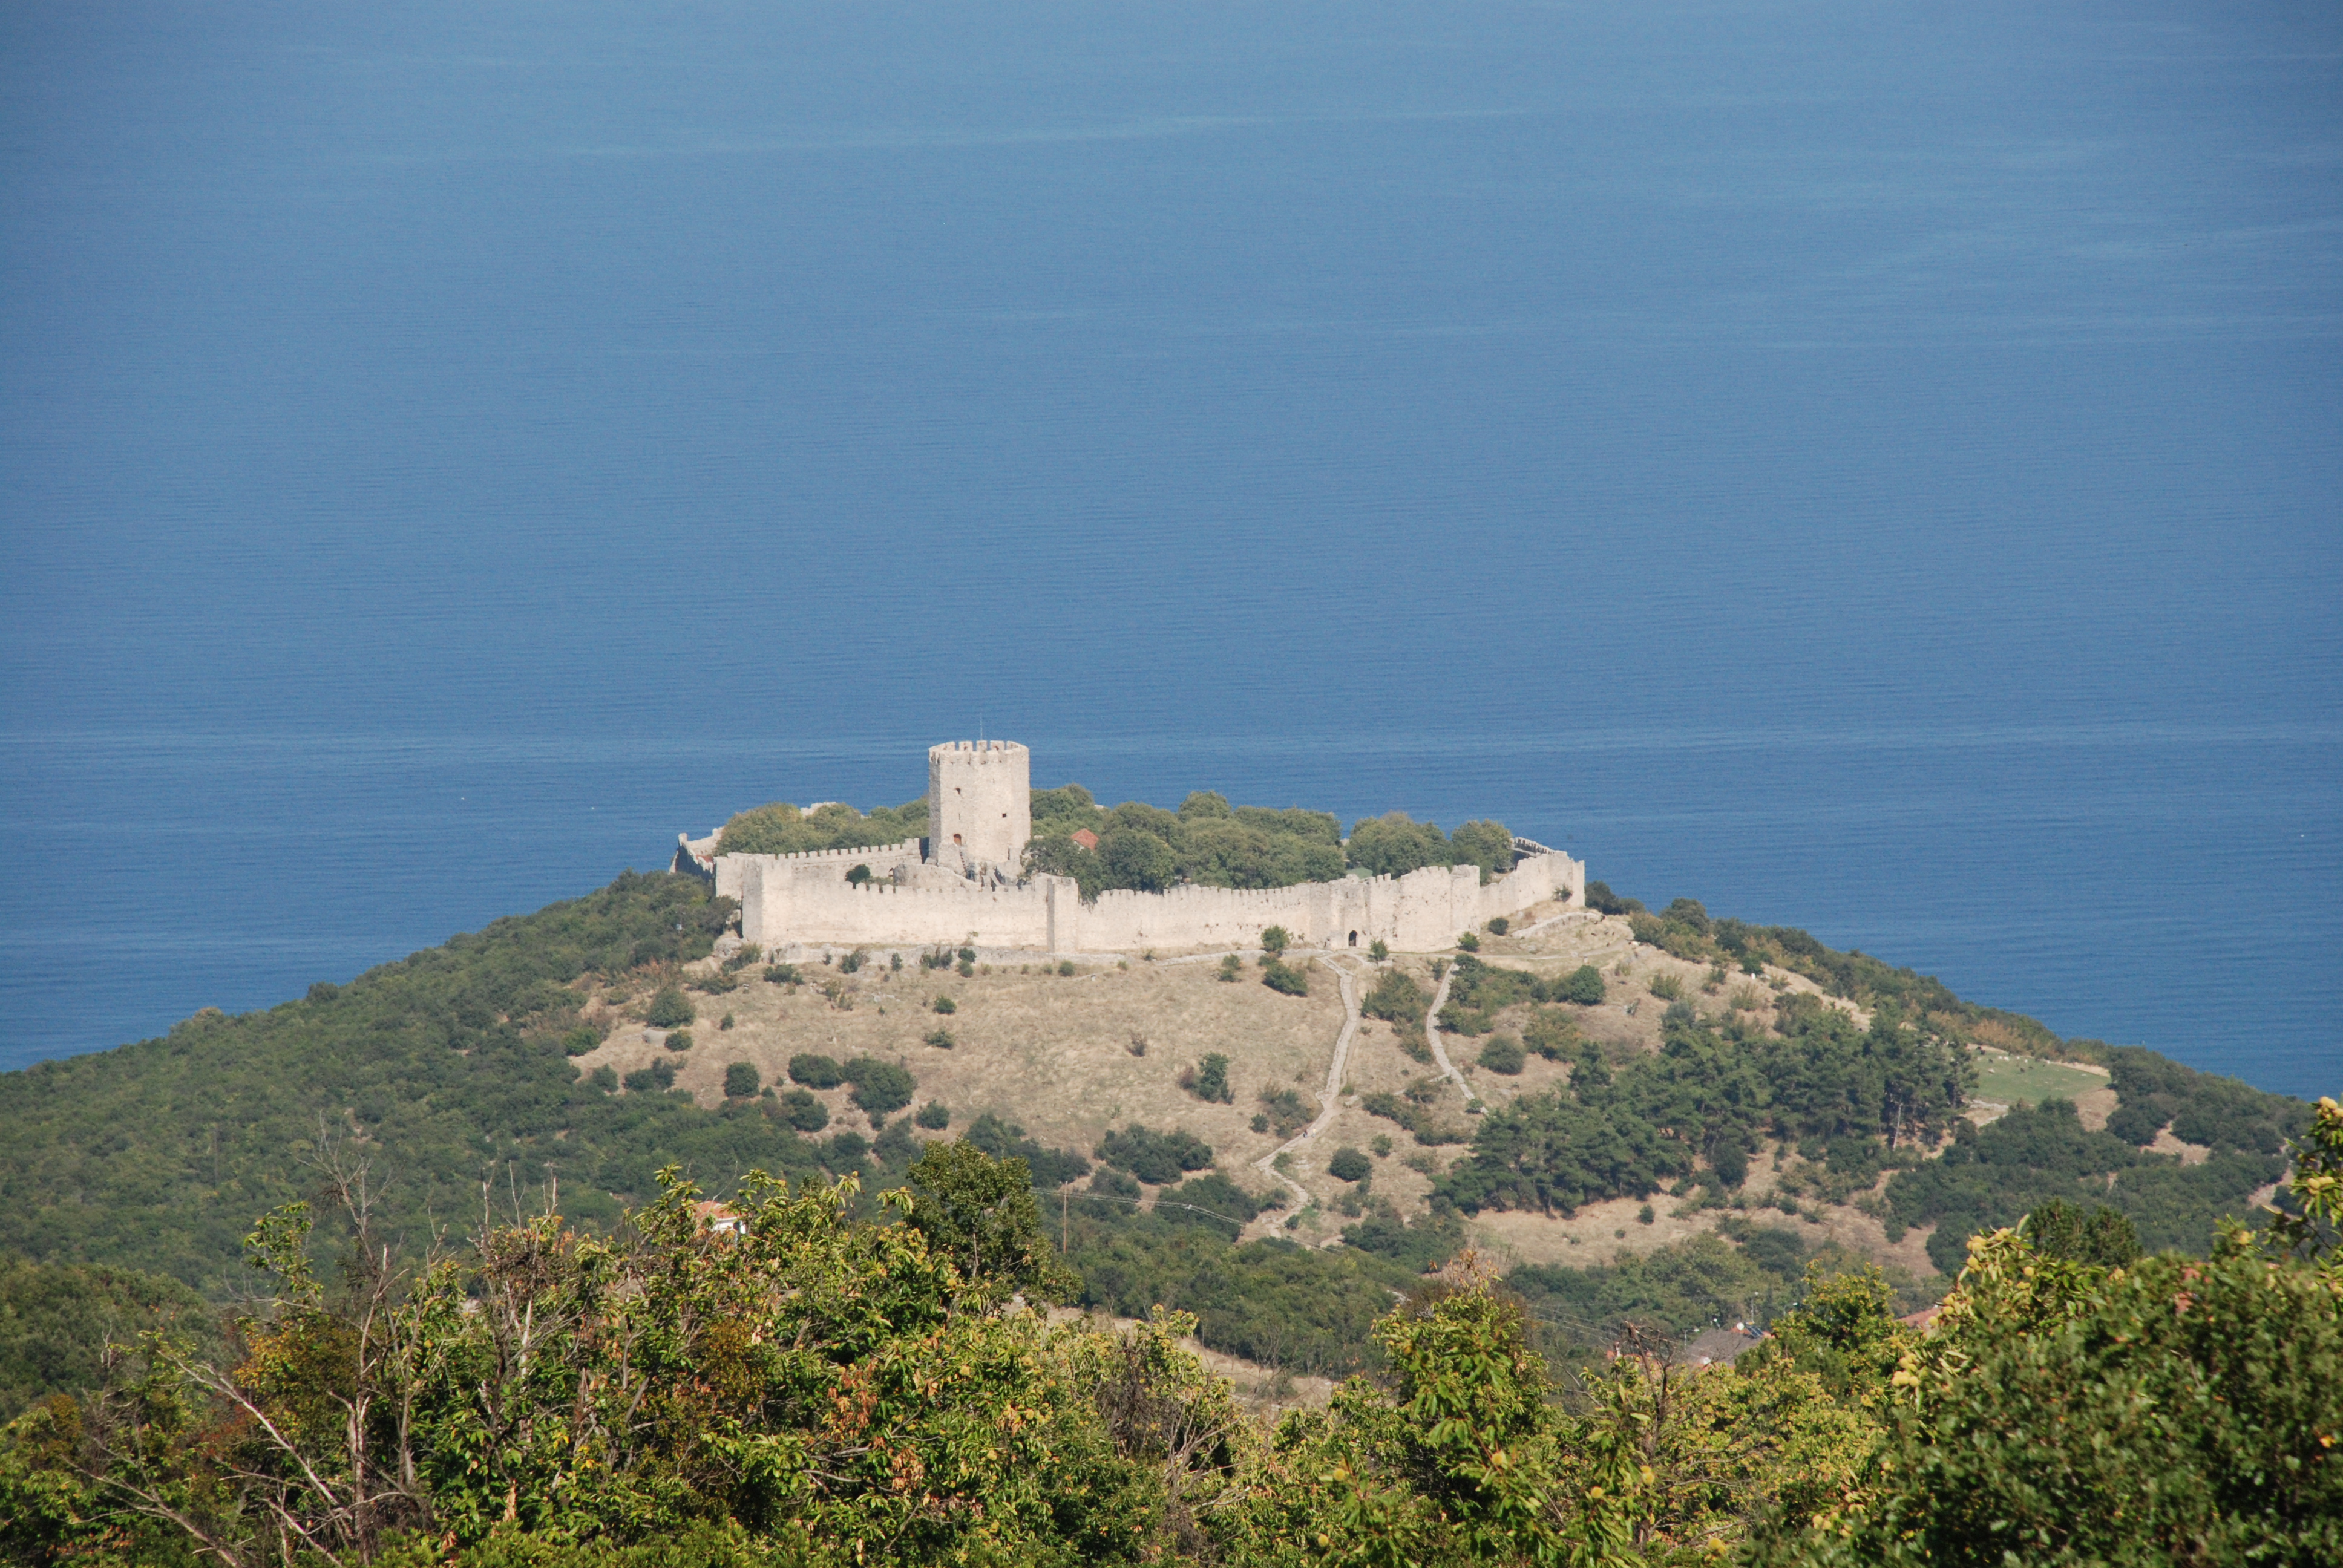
x: 1870, y: 467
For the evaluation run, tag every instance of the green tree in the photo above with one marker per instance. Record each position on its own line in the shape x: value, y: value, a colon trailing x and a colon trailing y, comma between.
x: 742, y: 1080
x: 1135, y: 859
x: 979, y: 1213
x: 670, y: 1009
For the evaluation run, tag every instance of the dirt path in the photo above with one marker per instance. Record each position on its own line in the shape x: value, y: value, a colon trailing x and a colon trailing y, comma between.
x: 1432, y: 1033
x: 1329, y: 1101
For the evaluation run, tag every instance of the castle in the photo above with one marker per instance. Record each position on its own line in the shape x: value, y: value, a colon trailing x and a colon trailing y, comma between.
x: 964, y: 882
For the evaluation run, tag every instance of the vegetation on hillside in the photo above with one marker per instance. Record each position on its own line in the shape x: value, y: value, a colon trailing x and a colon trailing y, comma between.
x: 780, y: 828
x: 803, y: 1385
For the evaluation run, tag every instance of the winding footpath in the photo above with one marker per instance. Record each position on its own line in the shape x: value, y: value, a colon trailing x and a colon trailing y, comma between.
x: 1432, y: 1033
x: 1329, y: 1099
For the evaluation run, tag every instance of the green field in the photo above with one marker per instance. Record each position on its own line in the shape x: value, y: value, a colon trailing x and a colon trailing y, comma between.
x: 2024, y: 1080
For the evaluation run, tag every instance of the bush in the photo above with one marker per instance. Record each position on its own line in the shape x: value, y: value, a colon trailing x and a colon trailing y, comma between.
x: 1284, y: 978
x: 586, y: 1036
x: 1110, y: 1182
x: 1065, y: 966
x: 1155, y: 1157
x: 1645, y: 1215
x: 853, y: 962
x: 1498, y: 926
x: 945, y: 1004
x: 659, y: 1075
x: 1210, y: 1082
x: 670, y: 1009
x: 1281, y: 1110
x: 1275, y: 940
x: 1468, y: 942
x: 1230, y: 967
x: 1584, y: 985
x: 1378, y: 950
x: 935, y: 1116
x: 801, y: 1111
x: 880, y: 1088
x: 1503, y: 1054
x: 1349, y: 1165
x: 783, y: 974
x: 724, y: 1023
x: 741, y: 1081
x: 816, y: 1071
x: 941, y: 1038
x: 680, y: 1039
x: 1667, y: 987
x: 604, y: 1077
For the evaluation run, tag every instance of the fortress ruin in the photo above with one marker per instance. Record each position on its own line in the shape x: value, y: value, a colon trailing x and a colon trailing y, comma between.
x: 965, y: 883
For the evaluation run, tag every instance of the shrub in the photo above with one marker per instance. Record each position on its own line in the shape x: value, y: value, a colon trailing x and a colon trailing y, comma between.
x: 880, y: 1088
x: 935, y: 1116
x: 1645, y: 1215
x: 1667, y: 987
x: 945, y: 1004
x: 1381, y: 1145
x: 1284, y: 1112
x: 1275, y: 940
x: 1210, y: 1082
x: 659, y: 1075
x: 670, y: 1009
x: 742, y: 957
x: 816, y: 1071
x: 586, y: 1036
x: 857, y: 874
x: 1349, y: 1165
x: 722, y: 983
x: 853, y: 962
x: 1745, y: 999
x: 1396, y: 999
x: 1230, y: 967
x: 1378, y: 950
x: 1260, y: 1122
x: 1503, y: 1054
x: 1155, y: 1157
x: 680, y: 1039
x: 741, y: 1081
x: 1584, y: 985
x: 1110, y: 1182
x: 1468, y: 942
x: 802, y: 1112
x: 1065, y: 966
x: 1498, y: 926
x: 783, y: 974
x: 941, y: 1038
x: 1286, y: 980
x: 604, y: 1077
x: 967, y: 968
x: 968, y: 956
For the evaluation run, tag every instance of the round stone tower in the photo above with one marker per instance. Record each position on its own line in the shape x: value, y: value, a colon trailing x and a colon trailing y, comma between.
x: 979, y: 801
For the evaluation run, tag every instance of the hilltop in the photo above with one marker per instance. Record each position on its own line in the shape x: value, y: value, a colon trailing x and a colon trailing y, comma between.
x: 1635, y: 1111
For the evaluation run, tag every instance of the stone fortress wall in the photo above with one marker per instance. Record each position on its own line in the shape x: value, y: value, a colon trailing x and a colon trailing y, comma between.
x: 964, y: 895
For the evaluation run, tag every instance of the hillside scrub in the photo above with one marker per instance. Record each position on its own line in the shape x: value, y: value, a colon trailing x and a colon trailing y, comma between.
x: 1207, y: 843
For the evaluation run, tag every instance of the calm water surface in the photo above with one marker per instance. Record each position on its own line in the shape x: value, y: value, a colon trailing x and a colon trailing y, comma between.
x: 1869, y: 467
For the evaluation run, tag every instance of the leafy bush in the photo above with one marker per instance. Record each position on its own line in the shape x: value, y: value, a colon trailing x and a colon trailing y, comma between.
x: 1468, y: 942
x: 1209, y: 1081
x: 1283, y: 1111
x: 670, y: 1009
x: 742, y: 1080
x: 604, y: 1077
x: 1275, y: 941
x: 1155, y: 1157
x: 783, y: 974
x: 1230, y: 970
x: 1667, y: 987
x: 941, y: 1038
x: 1378, y: 950
x: 1348, y: 1165
x: 935, y: 1116
x: 679, y: 1039
x: 1498, y: 926
x: 816, y: 1071
x: 1286, y: 980
x: 658, y: 1076
x: 1503, y: 1054
x: 1602, y: 900
x: 880, y: 1088
x: 803, y: 1111
x: 1396, y: 999
x: 1584, y: 985
x: 1066, y: 967
x: 585, y: 1038
x: 945, y: 1004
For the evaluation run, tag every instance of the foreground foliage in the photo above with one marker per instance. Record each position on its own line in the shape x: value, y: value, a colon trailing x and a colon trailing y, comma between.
x: 786, y: 1384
